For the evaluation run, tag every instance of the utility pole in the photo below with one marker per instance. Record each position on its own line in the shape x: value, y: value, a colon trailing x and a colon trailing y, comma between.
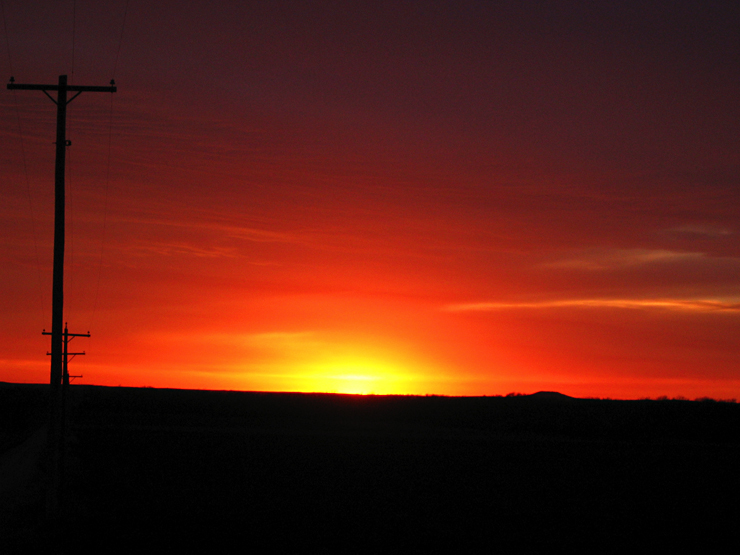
x: 59, y: 337
x: 66, y: 357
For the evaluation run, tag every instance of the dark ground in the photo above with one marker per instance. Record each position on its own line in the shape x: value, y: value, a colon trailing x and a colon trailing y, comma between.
x: 151, y: 469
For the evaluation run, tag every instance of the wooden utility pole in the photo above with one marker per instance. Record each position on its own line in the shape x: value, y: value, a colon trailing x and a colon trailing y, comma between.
x: 58, y: 336
x: 66, y: 357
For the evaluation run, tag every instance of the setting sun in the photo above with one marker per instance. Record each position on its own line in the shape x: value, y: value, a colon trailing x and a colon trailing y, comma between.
x: 357, y: 378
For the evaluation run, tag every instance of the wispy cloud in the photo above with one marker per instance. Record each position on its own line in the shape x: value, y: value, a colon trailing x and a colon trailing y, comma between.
x: 695, y: 230
x: 184, y: 249
x: 622, y: 258
x: 690, y: 305
x: 281, y: 339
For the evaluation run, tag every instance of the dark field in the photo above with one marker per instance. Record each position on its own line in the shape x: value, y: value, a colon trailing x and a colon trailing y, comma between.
x: 226, y: 471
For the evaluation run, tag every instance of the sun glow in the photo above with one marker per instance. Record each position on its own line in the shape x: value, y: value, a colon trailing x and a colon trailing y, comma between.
x: 311, y: 362
x: 355, y: 384
x: 357, y: 379
x: 350, y: 383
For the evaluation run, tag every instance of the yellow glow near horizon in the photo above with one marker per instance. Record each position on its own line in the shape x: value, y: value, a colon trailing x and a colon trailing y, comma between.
x: 309, y: 363
x: 357, y: 378
x: 349, y: 383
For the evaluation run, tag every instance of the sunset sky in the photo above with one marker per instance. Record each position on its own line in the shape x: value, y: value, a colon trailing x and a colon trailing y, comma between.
x: 432, y: 197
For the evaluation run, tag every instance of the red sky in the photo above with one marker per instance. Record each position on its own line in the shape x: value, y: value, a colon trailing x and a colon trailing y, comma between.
x: 462, y: 198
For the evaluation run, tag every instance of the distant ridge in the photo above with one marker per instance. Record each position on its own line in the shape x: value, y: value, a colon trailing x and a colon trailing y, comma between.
x: 549, y: 395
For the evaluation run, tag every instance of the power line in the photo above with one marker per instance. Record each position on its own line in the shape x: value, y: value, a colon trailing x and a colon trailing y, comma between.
x: 107, y: 171
x: 105, y: 212
x: 70, y: 184
x: 120, y: 40
x: 7, y: 37
x: 74, y: 25
x: 21, y: 143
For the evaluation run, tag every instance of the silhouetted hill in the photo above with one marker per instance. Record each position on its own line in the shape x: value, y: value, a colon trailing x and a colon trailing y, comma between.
x: 340, y: 473
x: 550, y: 395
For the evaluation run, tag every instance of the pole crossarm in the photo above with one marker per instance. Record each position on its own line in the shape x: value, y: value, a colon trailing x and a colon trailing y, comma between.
x: 68, y: 334
x: 62, y: 87
x: 67, y: 337
x: 74, y: 88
